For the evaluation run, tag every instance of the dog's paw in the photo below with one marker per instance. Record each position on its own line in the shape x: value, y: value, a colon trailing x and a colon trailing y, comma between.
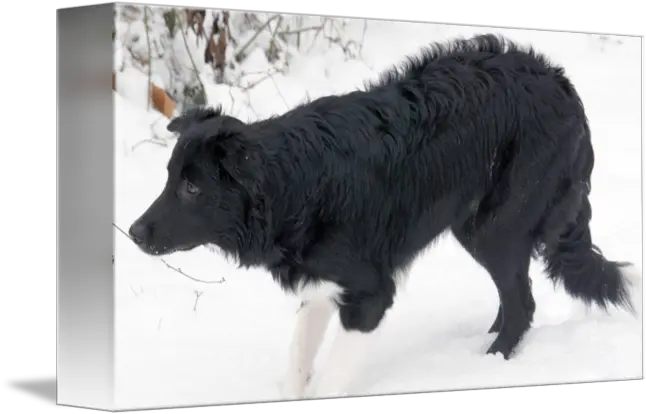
x: 324, y: 390
x: 292, y: 388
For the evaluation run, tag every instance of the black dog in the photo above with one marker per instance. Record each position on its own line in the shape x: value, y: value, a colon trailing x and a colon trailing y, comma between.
x: 479, y: 136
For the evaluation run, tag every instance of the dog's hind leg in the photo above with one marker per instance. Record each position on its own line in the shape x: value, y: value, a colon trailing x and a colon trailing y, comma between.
x: 312, y: 320
x: 525, y: 284
x: 507, y: 261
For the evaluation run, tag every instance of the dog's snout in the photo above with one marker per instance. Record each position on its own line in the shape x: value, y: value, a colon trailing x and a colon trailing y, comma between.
x: 138, y: 232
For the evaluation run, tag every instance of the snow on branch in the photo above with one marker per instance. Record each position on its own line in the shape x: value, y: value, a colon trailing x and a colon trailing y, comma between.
x: 181, y: 50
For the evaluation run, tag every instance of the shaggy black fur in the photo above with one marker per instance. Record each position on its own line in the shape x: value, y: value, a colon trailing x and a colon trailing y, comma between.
x: 478, y: 136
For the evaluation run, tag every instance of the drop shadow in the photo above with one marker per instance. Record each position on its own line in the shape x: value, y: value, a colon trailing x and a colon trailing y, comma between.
x: 43, y: 388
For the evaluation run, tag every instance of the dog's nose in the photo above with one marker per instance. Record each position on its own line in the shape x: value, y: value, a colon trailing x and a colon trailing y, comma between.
x: 137, y: 232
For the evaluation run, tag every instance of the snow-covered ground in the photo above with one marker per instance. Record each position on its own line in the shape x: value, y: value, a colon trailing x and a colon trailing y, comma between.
x: 181, y: 342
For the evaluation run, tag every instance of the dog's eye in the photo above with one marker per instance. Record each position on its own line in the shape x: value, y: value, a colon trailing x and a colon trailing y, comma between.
x: 191, y: 188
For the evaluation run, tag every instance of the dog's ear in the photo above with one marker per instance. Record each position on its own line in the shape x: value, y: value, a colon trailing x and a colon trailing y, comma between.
x: 192, y: 116
x: 239, y: 156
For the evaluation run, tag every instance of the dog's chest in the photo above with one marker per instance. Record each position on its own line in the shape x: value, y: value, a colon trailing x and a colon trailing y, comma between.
x: 308, y: 291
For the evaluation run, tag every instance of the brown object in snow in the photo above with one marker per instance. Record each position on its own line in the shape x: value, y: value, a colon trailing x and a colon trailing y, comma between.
x: 160, y: 100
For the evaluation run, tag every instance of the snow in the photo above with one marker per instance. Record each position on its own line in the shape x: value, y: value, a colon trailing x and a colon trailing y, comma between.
x: 230, y: 346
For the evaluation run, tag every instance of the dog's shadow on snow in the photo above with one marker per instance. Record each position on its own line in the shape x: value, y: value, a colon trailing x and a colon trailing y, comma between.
x: 44, y: 388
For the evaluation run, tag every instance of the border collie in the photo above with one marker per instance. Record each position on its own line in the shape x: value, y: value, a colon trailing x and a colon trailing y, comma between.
x: 479, y: 137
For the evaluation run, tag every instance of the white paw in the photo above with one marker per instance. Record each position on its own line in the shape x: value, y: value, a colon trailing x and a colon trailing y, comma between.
x: 325, y: 390
x: 292, y: 387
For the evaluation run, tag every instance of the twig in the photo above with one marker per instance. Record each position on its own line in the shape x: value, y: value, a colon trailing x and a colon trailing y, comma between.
x: 279, y: 92
x: 316, y: 35
x: 272, y: 42
x: 252, y: 72
x: 124, y: 46
x: 259, y: 81
x: 246, y: 91
x: 151, y: 141
x: 298, y: 31
x: 197, y: 298
x: 233, y: 101
x: 150, y: 57
x: 135, y: 292
x: 363, y: 37
x: 241, y: 51
x: 178, y: 270
x: 197, y: 73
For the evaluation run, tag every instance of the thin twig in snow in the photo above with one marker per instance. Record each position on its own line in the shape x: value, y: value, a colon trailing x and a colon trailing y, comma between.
x: 181, y: 272
x: 316, y: 35
x: 298, y: 31
x: 150, y: 58
x: 178, y: 270
x: 150, y: 141
x: 279, y: 92
x: 253, y: 72
x: 363, y: 37
x: 259, y: 80
x: 246, y: 91
x: 243, y: 49
x: 135, y: 292
x: 272, y: 42
x: 233, y: 101
x: 198, y: 294
x: 197, y: 73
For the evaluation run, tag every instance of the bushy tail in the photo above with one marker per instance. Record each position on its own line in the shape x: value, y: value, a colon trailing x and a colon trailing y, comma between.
x: 584, y: 272
x: 570, y: 255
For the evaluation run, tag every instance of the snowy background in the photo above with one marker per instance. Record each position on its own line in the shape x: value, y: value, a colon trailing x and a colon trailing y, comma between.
x: 182, y: 342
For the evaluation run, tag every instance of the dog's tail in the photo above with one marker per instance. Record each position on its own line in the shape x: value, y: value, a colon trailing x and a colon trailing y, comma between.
x: 571, y: 256
x: 586, y: 274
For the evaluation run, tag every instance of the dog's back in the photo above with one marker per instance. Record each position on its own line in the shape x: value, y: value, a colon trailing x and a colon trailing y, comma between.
x: 477, y: 125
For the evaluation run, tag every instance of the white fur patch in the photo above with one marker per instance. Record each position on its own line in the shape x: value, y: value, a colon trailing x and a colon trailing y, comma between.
x: 314, y: 291
x: 347, y: 356
x: 312, y: 320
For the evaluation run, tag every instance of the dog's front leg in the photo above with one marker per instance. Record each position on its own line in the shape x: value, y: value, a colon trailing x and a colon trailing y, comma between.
x: 312, y: 320
x: 360, y: 321
x: 344, y: 363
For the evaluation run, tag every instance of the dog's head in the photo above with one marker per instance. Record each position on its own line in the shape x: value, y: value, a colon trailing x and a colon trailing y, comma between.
x: 212, y: 174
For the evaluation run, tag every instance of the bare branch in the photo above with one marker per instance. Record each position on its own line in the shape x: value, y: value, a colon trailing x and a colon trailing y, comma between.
x: 299, y: 31
x: 233, y: 101
x: 149, y: 141
x: 135, y: 292
x: 178, y: 270
x: 316, y: 35
x: 243, y: 49
x: 150, y: 58
x: 363, y: 36
x: 198, y: 294
x: 197, y: 73
x: 246, y: 91
x: 259, y: 81
x: 279, y: 92
x: 272, y: 42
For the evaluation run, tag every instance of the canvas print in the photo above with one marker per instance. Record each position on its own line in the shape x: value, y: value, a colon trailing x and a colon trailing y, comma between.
x: 314, y: 207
